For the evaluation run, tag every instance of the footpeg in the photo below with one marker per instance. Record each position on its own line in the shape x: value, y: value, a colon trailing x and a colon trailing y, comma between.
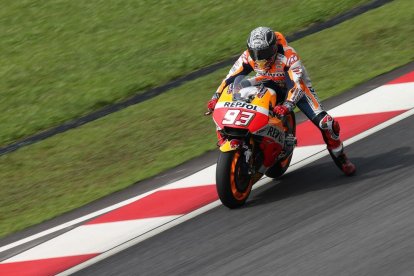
x: 290, y: 140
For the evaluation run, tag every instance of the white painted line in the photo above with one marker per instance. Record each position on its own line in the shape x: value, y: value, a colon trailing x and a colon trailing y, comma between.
x: 91, y: 239
x: 300, y: 152
x: 207, y: 173
x: 217, y: 203
x: 72, y: 222
x: 382, y: 99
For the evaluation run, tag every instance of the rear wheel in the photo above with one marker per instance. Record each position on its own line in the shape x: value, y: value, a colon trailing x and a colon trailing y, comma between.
x: 233, y: 182
x: 280, y: 167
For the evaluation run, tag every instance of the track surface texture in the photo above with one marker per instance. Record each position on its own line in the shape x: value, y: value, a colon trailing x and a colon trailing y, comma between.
x: 314, y: 221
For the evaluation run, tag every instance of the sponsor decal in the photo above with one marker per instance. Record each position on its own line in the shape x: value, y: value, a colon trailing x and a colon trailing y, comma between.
x: 233, y: 116
x: 296, y: 95
x: 244, y: 57
x: 256, y: 108
x: 297, y: 70
x: 235, y: 67
x: 274, y: 75
x: 240, y: 105
x: 273, y: 132
x: 292, y: 60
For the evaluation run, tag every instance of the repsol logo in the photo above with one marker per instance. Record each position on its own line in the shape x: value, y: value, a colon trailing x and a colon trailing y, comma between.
x: 241, y: 105
x: 273, y: 132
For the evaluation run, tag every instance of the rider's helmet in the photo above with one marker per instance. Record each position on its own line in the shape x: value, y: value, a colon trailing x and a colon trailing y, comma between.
x: 262, y: 47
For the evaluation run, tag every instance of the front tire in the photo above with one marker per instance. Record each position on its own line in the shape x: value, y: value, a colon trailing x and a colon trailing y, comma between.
x: 232, y: 180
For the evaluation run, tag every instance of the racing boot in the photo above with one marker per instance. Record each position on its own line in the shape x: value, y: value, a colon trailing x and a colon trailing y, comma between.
x: 342, y: 161
x: 330, y: 132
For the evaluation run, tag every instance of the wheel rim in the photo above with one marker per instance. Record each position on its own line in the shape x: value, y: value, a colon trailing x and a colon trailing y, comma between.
x: 239, y: 192
x: 285, y: 162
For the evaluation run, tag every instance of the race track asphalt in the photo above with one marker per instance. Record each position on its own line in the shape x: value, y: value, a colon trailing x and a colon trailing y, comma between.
x: 314, y: 221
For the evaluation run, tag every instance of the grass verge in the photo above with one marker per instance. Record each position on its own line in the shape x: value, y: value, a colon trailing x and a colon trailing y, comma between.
x: 62, y: 59
x: 84, y: 164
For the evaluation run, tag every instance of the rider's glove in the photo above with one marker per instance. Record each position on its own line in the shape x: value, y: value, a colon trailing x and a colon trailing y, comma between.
x: 212, y: 103
x: 283, y: 109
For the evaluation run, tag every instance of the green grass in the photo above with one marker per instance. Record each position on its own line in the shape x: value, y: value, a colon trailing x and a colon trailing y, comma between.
x: 84, y: 164
x: 62, y: 59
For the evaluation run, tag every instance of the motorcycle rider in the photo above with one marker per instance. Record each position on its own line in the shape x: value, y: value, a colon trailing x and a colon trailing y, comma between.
x: 278, y: 66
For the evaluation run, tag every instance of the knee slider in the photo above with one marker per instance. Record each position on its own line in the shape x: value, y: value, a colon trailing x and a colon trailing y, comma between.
x: 328, y: 124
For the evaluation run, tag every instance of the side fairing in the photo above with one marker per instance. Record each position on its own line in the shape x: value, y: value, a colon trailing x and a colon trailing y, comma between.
x: 273, y: 133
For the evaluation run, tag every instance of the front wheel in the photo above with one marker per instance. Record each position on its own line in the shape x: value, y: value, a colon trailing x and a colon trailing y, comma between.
x: 233, y: 182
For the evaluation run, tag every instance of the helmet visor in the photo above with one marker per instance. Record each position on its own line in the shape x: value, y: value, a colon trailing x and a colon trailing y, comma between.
x: 262, y: 54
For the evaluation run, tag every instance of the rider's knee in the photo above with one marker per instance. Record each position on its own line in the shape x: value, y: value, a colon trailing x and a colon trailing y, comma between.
x: 326, y: 123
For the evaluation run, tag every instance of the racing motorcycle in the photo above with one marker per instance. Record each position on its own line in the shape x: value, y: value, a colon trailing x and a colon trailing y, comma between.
x: 252, y: 141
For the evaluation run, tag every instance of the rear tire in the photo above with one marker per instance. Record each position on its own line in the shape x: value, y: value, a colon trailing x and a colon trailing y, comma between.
x: 232, y: 181
x: 280, y: 167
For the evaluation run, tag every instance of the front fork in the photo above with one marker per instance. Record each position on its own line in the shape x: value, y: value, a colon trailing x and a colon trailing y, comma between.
x: 246, y: 149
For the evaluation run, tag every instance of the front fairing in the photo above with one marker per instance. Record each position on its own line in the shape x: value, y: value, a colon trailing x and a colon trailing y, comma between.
x: 252, y: 115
